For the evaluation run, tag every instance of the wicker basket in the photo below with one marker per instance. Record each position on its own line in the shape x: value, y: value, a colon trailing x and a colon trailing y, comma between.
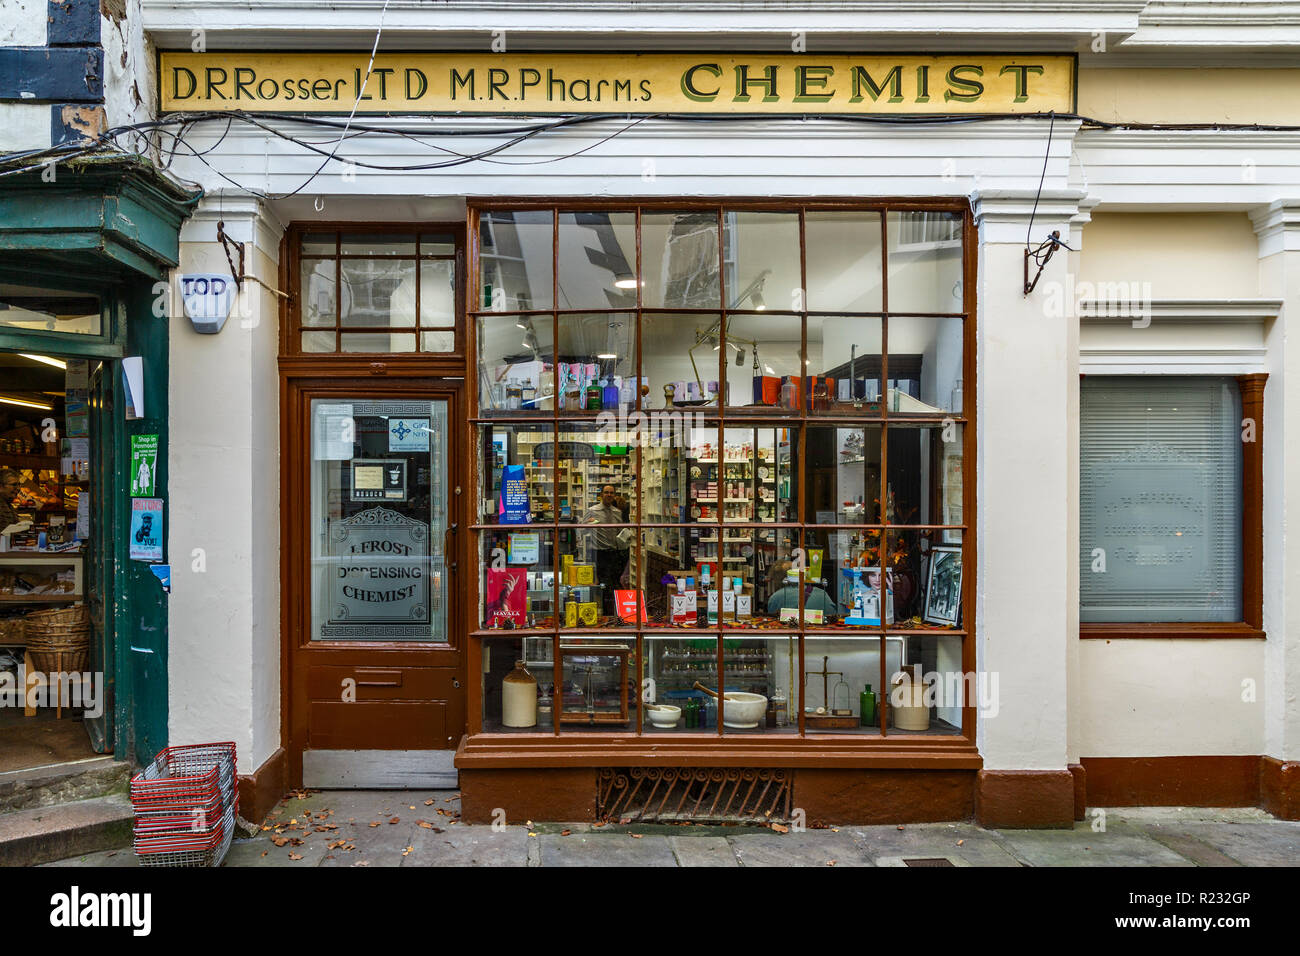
x: 59, y: 639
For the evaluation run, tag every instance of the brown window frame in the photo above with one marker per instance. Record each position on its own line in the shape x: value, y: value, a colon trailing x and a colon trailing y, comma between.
x: 291, y: 324
x: 1251, y: 626
x: 488, y: 748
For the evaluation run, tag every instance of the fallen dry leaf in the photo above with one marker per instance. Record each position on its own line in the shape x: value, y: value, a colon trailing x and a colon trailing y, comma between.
x: 338, y: 843
x: 265, y: 852
x: 779, y: 828
x: 294, y: 856
x: 361, y: 863
x: 531, y: 833
x: 565, y: 832
x: 395, y: 820
x: 428, y: 803
x: 635, y: 836
x: 830, y: 862
x: 411, y: 807
x: 280, y: 841
x: 293, y: 822
x: 407, y: 850
x: 374, y: 823
x: 425, y: 824
x: 900, y: 826
x: 960, y: 842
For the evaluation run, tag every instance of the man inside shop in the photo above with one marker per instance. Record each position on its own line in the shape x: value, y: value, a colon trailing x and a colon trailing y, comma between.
x: 610, y: 548
x: 10, y: 481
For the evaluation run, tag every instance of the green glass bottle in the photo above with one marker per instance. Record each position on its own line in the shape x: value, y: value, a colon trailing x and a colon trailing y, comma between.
x: 866, y: 707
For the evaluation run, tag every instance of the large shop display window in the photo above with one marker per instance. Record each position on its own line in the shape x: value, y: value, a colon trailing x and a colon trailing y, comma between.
x: 723, y: 449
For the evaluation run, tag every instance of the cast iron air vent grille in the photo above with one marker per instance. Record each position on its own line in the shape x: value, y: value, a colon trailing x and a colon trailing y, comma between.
x: 696, y: 794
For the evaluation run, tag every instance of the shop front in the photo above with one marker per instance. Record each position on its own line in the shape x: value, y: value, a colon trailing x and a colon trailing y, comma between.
x: 83, y: 463
x: 723, y: 455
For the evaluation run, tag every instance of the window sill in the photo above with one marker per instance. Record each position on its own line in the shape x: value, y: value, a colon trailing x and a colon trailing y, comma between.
x: 1185, y: 631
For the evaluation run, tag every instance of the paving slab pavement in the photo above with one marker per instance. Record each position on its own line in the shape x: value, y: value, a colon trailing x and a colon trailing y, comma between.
x: 334, y: 829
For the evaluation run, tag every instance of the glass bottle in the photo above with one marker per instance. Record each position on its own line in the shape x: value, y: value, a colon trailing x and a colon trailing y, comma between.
x: 781, y: 707
x: 866, y: 707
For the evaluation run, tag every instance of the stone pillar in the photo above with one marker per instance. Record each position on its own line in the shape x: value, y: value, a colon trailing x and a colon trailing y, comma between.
x: 224, y: 672
x: 1278, y: 228
x: 1027, y: 537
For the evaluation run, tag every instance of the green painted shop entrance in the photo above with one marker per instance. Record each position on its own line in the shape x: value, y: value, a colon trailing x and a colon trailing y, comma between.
x: 83, y: 264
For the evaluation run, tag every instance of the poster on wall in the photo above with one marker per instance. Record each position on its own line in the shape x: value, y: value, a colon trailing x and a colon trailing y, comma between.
x: 144, y: 465
x: 146, y: 529
x: 513, y: 505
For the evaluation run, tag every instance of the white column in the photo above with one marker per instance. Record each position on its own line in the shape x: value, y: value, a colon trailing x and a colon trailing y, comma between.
x: 1278, y: 228
x: 224, y: 609
x: 1027, y: 465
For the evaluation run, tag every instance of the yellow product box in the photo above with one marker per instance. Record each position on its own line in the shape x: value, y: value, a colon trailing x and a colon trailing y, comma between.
x: 588, y: 613
x: 571, y: 614
x: 578, y: 575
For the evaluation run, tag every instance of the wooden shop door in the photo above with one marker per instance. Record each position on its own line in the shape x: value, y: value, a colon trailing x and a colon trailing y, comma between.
x: 374, y: 606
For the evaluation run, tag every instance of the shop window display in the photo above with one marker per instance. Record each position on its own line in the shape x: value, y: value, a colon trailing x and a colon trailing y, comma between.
x: 738, y: 464
x: 45, y: 471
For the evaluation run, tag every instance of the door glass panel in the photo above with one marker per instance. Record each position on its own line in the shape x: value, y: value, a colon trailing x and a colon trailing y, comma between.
x: 379, y: 520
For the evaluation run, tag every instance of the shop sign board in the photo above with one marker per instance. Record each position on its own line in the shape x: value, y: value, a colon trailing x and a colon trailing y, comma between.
x: 617, y: 83
x: 379, y: 569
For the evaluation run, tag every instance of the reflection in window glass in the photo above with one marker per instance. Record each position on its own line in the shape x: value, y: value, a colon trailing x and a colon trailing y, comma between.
x: 679, y: 260
x: 925, y: 364
x: 762, y: 352
x: 377, y: 292
x: 844, y: 261
x: 49, y: 310
x: 680, y: 363
x: 847, y: 352
x: 761, y: 255
x: 597, y: 362
x: 597, y: 260
x: 515, y: 364
x: 515, y: 261
x: 438, y: 293
x: 925, y: 262
x: 319, y: 282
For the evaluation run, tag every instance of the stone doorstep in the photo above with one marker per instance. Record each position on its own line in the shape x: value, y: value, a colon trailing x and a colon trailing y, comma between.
x: 44, y: 834
x: 58, y: 783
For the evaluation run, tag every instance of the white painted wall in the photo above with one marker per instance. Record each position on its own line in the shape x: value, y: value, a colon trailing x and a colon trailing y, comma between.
x: 224, y: 675
x: 1151, y: 698
x: 1025, y: 372
x: 22, y: 22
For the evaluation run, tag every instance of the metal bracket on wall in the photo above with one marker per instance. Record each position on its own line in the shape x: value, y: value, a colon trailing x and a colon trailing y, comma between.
x: 238, y: 274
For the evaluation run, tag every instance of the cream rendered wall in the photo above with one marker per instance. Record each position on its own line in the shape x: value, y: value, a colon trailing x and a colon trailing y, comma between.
x: 224, y: 531
x: 1182, y: 255
x: 1139, y: 698
x: 1151, y: 698
x: 1139, y: 95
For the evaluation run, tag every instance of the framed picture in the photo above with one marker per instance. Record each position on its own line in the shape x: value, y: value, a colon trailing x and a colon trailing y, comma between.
x: 943, y: 588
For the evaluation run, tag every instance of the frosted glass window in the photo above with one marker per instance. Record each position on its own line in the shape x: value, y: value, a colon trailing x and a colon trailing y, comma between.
x: 1160, y: 500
